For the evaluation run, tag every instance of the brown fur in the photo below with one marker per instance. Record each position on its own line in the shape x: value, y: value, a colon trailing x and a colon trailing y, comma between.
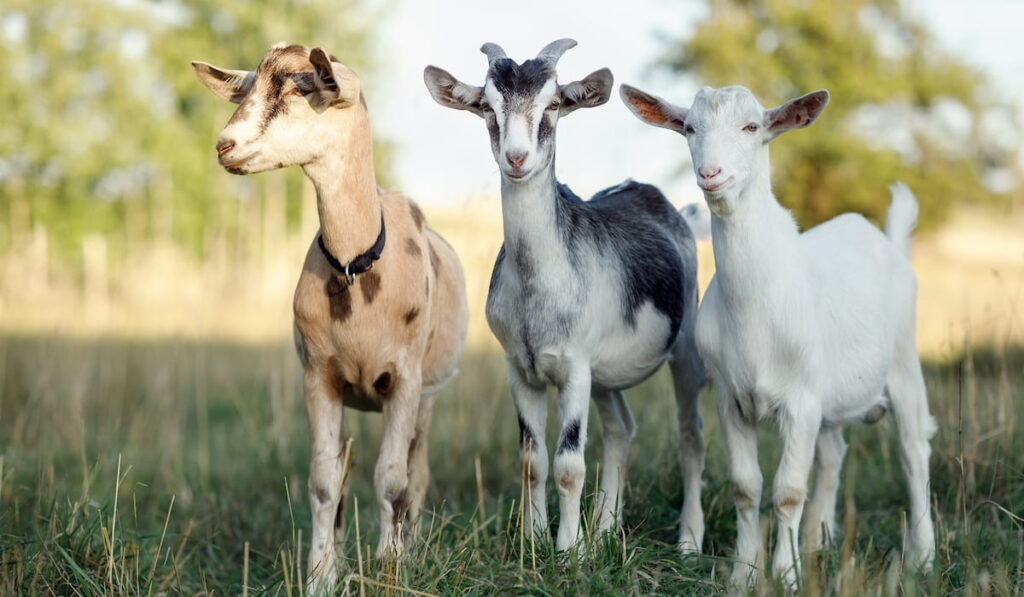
x: 339, y: 299
x: 380, y: 344
x: 369, y: 283
x: 363, y: 336
x: 383, y: 385
x: 389, y: 352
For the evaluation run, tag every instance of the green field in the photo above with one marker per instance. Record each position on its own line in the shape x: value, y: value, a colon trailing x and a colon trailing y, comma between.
x: 179, y: 468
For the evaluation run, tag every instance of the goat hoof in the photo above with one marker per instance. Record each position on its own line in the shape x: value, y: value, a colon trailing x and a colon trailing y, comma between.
x: 689, y: 547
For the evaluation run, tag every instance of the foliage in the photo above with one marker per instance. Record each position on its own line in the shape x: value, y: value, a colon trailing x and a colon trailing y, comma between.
x: 901, y: 107
x: 135, y: 468
x: 107, y: 131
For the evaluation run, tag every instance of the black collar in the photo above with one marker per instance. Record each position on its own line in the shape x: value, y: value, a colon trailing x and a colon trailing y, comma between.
x: 362, y: 262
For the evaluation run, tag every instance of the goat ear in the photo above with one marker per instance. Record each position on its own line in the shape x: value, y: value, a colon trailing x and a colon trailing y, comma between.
x: 231, y: 85
x: 593, y: 90
x: 796, y: 113
x: 451, y: 92
x: 652, y: 109
x: 336, y: 84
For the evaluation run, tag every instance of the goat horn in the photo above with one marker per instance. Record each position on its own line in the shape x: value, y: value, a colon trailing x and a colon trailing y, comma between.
x: 493, y: 51
x: 554, y: 50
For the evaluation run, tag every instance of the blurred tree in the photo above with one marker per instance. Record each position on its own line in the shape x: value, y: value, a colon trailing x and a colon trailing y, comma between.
x: 901, y: 108
x: 106, y: 129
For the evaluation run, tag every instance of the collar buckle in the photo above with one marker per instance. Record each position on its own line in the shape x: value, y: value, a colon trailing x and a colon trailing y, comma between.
x: 362, y: 263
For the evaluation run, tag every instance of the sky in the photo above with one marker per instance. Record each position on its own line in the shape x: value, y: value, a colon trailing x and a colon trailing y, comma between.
x: 444, y: 158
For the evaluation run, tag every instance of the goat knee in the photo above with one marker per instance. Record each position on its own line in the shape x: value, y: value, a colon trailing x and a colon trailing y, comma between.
x: 569, y: 473
x: 391, y: 482
x: 789, y: 501
x: 324, y: 485
x: 535, y: 467
x: 747, y: 491
x: 323, y: 494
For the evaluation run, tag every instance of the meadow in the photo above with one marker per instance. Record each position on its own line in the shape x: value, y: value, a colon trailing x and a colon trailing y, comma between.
x: 153, y: 441
x: 134, y: 467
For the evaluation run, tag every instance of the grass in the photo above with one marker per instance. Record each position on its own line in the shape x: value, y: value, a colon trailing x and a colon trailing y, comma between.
x: 147, y: 468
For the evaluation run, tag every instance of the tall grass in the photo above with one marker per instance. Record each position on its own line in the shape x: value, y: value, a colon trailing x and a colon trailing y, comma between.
x: 178, y: 467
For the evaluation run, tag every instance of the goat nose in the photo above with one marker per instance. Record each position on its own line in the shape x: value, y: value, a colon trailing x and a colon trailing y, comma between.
x: 709, y: 172
x: 515, y: 158
x: 224, y: 146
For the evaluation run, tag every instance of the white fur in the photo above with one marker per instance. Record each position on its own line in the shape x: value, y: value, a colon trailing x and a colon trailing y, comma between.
x: 517, y: 136
x: 600, y: 357
x: 812, y: 330
x: 529, y: 304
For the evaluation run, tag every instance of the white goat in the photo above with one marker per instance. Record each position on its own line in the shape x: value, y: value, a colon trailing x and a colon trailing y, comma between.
x: 814, y: 330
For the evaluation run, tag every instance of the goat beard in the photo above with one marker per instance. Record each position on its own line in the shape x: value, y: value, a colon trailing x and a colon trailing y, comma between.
x: 719, y: 205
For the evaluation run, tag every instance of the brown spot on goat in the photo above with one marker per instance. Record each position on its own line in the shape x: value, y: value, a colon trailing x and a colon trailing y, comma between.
x: 411, y: 315
x: 417, y: 215
x: 337, y: 378
x: 369, y: 283
x: 412, y: 247
x: 384, y: 383
x: 340, y: 299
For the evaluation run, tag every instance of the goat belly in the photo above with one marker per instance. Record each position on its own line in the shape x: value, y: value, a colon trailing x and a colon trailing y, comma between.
x: 631, y: 354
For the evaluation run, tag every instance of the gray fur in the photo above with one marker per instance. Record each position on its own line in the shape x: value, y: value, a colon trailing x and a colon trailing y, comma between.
x: 589, y: 296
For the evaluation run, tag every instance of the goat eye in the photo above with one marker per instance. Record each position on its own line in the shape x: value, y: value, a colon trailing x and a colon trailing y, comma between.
x: 298, y: 92
x: 553, y: 105
x: 751, y: 128
x: 485, y: 107
x: 689, y: 130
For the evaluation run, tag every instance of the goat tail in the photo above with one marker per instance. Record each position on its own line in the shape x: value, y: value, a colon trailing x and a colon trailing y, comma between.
x: 902, y: 216
x: 698, y: 219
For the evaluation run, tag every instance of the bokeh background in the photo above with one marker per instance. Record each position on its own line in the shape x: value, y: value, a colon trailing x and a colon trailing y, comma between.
x: 145, y: 294
x: 116, y: 218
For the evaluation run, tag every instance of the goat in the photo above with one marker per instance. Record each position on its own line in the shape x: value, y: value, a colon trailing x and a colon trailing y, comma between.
x: 380, y: 307
x: 813, y: 330
x: 589, y: 296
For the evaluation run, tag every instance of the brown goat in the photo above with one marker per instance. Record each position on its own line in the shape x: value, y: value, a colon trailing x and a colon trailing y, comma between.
x: 382, y: 334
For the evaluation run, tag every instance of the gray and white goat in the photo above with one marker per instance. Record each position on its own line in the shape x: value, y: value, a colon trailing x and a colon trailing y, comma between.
x: 589, y: 296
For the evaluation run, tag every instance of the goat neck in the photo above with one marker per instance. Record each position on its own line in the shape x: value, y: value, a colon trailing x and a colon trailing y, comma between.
x: 753, y: 241
x: 529, y: 212
x: 530, y: 221
x: 347, y: 195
